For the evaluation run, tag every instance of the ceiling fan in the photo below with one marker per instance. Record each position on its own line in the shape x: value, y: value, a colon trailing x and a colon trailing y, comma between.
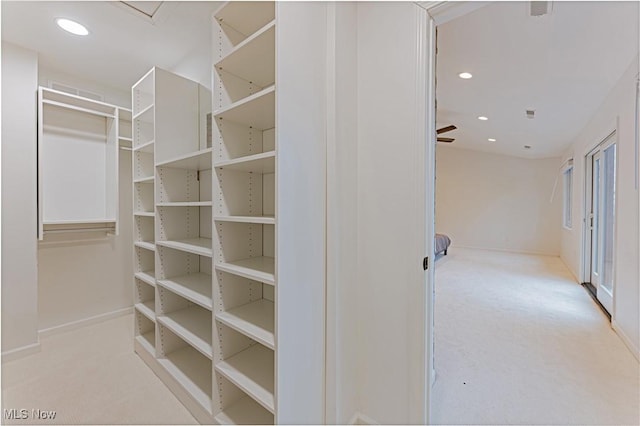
x: 445, y: 130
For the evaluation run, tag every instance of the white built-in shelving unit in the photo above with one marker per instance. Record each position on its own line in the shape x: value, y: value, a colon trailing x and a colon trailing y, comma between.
x: 244, y: 245
x: 172, y: 167
x: 78, y: 141
x: 237, y: 329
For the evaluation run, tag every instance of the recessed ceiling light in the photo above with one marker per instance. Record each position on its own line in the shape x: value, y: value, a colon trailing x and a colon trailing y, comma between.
x: 72, y: 26
x: 465, y: 75
x: 483, y: 118
x: 491, y: 140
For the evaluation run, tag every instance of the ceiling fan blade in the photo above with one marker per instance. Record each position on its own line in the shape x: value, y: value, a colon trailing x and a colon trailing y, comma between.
x: 446, y: 140
x: 446, y: 129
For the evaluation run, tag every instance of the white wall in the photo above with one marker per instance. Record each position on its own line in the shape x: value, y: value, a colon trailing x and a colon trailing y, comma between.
x: 81, y: 276
x: 195, y: 66
x: 492, y: 201
x: 19, y: 207
x: 619, y: 106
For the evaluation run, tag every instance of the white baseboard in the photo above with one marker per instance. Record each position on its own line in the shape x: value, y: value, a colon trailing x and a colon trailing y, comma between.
x: 537, y: 253
x: 360, y: 419
x: 18, y: 353
x: 572, y: 272
x: 74, y: 325
x: 628, y: 343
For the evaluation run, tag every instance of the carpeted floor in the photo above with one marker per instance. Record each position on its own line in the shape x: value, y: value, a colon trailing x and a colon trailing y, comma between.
x: 519, y: 342
x: 90, y: 376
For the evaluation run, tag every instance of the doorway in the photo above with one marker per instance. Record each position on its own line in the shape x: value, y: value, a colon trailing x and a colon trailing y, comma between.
x: 599, y: 241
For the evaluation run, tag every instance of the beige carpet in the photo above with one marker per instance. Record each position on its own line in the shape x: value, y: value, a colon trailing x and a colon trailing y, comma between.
x: 90, y: 376
x: 519, y: 342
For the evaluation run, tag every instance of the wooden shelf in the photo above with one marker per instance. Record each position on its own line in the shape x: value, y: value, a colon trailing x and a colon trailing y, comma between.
x: 258, y: 163
x: 264, y: 220
x: 199, y: 246
x: 186, y: 367
x: 125, y: 142
x: 148, y: 342
x: 186, y: 204
x: 252, y: 371
x: 147, y: 309
x: 144, y: 214
x: 255, y: 320
x: 148, y: 179
x: 145, y: 245
x: 145, y: 115
x: 148, y: 277
x: 254, y: 59
x: 245, y: 412
x: 200, y: 160
x: 77, y: 103
x: 257, y: 110
x: 193, y: 325
x: 256, y: 268
x: 145, y: 147
x: 245, y: 17
x: 193, y: 287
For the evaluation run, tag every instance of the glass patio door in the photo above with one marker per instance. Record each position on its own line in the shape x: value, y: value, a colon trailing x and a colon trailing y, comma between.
x: 602, y: 194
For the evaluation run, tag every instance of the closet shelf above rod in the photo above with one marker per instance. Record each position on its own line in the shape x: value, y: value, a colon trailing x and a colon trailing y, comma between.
x: 77, y: 108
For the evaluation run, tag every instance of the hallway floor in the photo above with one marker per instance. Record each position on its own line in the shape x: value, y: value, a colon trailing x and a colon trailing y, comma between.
x: 519, y: 342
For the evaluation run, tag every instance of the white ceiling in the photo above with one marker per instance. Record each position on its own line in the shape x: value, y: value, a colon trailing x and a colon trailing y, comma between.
x: 561, y: 65
x: 122, y: 45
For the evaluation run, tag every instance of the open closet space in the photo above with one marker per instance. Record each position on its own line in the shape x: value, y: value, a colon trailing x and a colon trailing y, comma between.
x: 150, y: 226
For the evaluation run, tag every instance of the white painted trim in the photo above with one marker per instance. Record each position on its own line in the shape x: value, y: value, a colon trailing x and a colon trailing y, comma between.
x: 18, y: 353
x: 438, y: 12
x: 354, y: 419
x: 332, y: 238
x: 429, y: 157
x: 74, y: 325
x: 626, y: 340
x: 362, y: 419
x: 445, y: 11
x: 573, y: 274
x: 537, y: 253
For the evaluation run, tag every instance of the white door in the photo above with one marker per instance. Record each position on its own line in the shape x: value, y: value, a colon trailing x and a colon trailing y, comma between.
x: 607, y: 226
x: 601, y: 175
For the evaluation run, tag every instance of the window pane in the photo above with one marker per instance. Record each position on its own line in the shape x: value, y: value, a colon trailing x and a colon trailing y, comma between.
x: 608, y: 215
x: 567, y: 214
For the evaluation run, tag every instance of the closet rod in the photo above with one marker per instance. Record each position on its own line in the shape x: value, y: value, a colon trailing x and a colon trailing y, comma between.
x: 60, y: 231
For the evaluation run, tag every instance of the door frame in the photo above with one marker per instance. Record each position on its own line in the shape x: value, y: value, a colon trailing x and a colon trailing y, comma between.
x: 603, y: 140
x: 438, y: 13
